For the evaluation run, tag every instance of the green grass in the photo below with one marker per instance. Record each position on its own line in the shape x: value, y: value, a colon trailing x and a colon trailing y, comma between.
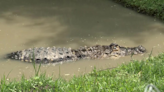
x: 34, y: 65
x: 131, y: 77
x: 150, y: 7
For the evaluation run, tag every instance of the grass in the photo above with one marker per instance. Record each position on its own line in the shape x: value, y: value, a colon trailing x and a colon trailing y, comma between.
x: 150, y: 7
x: 34, y: 65
x: 132, y: 77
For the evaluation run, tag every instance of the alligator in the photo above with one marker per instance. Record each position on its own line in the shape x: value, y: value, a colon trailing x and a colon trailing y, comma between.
x: 54, y: 54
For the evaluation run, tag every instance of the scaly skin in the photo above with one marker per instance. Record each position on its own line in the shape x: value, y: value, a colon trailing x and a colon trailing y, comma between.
x: 53, y: 54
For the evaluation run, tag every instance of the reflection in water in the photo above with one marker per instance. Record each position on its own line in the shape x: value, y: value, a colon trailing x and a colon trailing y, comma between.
x: 72, y: 24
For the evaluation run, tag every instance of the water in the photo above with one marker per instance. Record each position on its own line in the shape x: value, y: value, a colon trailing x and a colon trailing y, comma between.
x: 26, y: 24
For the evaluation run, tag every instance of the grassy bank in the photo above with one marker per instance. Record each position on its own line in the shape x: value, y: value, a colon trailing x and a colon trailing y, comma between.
x: 150, y: 7
x: 133, y: 77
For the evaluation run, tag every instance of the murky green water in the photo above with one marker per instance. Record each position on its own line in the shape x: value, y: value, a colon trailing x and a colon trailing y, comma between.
x: 63, y: 23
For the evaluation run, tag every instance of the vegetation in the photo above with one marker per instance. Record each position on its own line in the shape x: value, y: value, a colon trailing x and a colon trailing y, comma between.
x: 150, y: 7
